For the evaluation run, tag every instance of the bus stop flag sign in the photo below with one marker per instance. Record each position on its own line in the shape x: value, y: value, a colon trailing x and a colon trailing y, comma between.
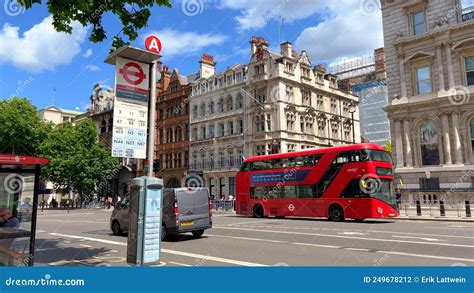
x: 132, y: 85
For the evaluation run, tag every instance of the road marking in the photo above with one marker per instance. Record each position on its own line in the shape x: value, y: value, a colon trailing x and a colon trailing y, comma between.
x: 179, y: 264
x: 356, y: 249
x: 419, y: 234
x: 446, y: 228
x: 352, y: 233
x: 427, y: 256
x: 347, y: 237
x: 243, y: 223
x: 317, y: 245
x: 422, y: 238
x: 69, y: 221
x: 84, y: 245
x: 169, y: 251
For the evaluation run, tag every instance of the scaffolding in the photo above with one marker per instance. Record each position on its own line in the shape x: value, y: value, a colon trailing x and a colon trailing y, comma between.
x: 350, y: 68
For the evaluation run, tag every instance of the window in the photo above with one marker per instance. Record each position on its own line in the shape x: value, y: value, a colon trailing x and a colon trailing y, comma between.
x: 211, y: 131
x: 230, y: 158
x: 230, y: 126
x: 203, y: 109
x: 169, y: 135
x: 194, y: 134
x: 221, y: 159
x: 320, y: 103
x: 291, y: 147
x: 240, y: 102
x: 471, y: 127
x: 429, y: 144
x: 429, y: 184
x: 423, y: 81
x: 269, y: 122
x: 290, y: 121
x: 261, y: 95
x: 289, y: 93
x: 469, y: 61
x: 259, y: 123
x: 309, y: 124
x: 230, y: 103
x: 418, y: 22
x: 221, y: 129
x: 178, y: 134
x: 220, y: 105
x: 259, y: 150
x: 211, y: 107
x: 203, y: 132
x: 302, y: 124
x: 333, y: 106
x: 240, y: 126
x: 240, y: 155
x: 306, y: 97
x: 232, y: 185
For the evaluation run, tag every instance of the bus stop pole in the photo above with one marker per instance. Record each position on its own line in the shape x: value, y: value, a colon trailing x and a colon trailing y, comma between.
x: 34, y: 215
x: 151, y: 127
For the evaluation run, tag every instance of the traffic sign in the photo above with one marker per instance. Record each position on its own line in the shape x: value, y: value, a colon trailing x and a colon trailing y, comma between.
x: 153, y: 44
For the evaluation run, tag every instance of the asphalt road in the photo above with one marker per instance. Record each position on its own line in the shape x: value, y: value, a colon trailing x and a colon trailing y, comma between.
x: 83, y: 238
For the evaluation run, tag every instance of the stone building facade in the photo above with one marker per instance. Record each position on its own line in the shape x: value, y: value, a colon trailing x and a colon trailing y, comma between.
x: 217, y: 125
x: 278, y: 102
x: 429, y: 48
x: 291, y: 105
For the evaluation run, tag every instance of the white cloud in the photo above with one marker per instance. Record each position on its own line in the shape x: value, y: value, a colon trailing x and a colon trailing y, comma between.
x: 41, y: 47
x: 87, y: 53
x: 91, y: 67
x: 179, y: 43
x: 347, y: 27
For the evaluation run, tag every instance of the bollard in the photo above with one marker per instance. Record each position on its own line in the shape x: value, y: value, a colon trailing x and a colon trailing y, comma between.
x: 418, y: 208
x: 442, y: 211
x: 468, y: 209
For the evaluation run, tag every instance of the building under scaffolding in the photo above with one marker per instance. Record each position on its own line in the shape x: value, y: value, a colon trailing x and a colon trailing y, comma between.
x: 365, y: 77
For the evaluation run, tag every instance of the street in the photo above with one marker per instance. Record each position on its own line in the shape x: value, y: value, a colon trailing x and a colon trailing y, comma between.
x: 83, y: 238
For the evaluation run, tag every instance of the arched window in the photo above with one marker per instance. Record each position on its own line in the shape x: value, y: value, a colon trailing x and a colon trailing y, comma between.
x: 240, y: 102
x: 220, y: 105
x: 471, y: 127
x: 211, y: 107
x: 169, y: 135
x: 429, y: 144
x: 230, y: 103
x: 203, y: 109
x: 195, y: 111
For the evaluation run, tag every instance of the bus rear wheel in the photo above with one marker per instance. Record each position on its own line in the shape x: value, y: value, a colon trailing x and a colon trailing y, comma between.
x: 336, y: 213
x: 258, y: 211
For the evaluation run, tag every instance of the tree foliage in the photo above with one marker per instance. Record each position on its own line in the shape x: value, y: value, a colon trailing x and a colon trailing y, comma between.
x: 21, y: 131
x: 78, y: 161
x: 133, y: 14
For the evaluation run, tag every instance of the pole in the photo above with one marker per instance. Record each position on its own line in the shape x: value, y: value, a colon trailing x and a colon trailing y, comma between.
x: 151, y: 127
x: 34, y: 215
x: 353, y: 128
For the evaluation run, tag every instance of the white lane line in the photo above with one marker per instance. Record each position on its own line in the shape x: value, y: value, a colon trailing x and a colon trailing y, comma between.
x: 84, y: 245
x: 446, y: 228
x: 243, y: 223
x: 421, y: 238
x: 317, y: 245
x: 356, y: 249
x: 346, y: 237
x: 420, y: 234
x: 427, y: 256
x: 69, y: 221
x: 169, y: 251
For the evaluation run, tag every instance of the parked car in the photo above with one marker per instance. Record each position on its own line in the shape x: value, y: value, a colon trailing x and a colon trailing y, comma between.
x: 185, y: 209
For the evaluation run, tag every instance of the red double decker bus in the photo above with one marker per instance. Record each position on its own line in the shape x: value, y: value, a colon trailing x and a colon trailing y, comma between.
x: 354, y: 181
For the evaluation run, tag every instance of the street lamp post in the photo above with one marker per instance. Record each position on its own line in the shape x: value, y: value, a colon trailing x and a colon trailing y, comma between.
x: 352, y: 110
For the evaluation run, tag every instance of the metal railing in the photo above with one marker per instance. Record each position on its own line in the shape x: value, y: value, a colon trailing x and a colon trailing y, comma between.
x: 467, y: 14
x: 436, y: 208
x: 223, y: 205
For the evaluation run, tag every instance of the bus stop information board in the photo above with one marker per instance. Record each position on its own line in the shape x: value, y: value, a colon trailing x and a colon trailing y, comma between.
x: 130, y: 109
x: 152, y: 230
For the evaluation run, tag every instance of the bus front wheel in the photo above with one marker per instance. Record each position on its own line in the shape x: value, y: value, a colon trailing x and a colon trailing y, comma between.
x: 336, y: 213
x: 258, y: 211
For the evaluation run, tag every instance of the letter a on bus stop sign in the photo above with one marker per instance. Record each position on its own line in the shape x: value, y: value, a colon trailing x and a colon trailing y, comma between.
x: 153, y: 44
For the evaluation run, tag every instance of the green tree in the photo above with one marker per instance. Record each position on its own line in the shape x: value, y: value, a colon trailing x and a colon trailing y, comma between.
x: 21, y: 131
x: 133, y: 14
x: 78, y: 161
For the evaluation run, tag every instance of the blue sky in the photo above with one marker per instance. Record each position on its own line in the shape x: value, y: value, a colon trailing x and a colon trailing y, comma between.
x: 34, y: 58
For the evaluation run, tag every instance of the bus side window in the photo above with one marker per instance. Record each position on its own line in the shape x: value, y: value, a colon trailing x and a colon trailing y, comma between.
x: 245, y: 167
x: 355, y: 156
x: 299, y: 161
x: 276, y: 164
x: 342, y: 158
x: 288, y: 162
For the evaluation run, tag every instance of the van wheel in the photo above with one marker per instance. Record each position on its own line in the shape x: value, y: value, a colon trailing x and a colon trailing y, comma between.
x: 336, y: 213
x: 258, y: 211
x: 198, y: 233
x: 116, y: 228
x: 164, y: 233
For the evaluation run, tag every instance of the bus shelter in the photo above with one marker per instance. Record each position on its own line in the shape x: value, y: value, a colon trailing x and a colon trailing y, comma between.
x: 19, y: 186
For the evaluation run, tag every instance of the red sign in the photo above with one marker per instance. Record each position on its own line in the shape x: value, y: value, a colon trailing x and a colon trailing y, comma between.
x: 22, y: 160
x: 153, y: 44
x: 132, y: 73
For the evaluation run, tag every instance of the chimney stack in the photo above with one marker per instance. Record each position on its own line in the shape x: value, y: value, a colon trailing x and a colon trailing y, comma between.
x: 286, y: 50
x: 207, y: 66
x: 256, y: 42
x: 379, y: 58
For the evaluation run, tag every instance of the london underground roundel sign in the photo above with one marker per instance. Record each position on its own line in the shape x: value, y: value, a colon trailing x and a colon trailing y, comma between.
x: 153, y: 44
